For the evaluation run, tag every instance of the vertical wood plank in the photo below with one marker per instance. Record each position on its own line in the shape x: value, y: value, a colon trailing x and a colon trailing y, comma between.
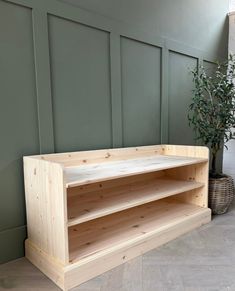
x: 46, y: 204
x: 43, y: 82
x: 164, y: 95
x: 115, y: 75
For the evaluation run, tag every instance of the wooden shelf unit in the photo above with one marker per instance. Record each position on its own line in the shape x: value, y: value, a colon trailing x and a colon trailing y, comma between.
x: 102, y: 208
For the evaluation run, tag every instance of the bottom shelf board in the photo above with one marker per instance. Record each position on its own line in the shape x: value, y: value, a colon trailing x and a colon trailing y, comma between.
x: 127, y: 227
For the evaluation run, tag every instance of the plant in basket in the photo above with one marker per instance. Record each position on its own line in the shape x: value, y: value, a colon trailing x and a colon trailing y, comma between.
x: 211, y: 115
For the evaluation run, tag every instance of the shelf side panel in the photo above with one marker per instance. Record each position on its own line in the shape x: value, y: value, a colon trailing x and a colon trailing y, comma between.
x: 196, y: 173
x: 186, y: 151
x: 46, y: 207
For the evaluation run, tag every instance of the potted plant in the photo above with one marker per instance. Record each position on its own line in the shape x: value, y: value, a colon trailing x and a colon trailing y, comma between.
x: 211, y: 115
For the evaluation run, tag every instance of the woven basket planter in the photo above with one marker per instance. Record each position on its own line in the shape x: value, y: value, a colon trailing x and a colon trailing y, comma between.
x: 221, y: 194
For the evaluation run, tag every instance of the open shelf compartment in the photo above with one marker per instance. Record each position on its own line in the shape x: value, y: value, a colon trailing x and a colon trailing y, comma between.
x: 130, y: 226
x: 85, y: 174
x: 104, y: 198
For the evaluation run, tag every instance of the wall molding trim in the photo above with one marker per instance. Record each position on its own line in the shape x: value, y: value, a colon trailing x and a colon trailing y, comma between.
x: 43, y: 80
x: 40, y: 11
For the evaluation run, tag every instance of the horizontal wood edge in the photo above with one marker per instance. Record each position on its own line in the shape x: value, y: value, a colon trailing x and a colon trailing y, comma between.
x: 191, y: 186
x: 75, y: 184
x: 45, y: 263
x: 163, y: 147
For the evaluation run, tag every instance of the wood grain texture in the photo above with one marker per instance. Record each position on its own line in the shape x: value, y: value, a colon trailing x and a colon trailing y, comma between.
x: 125, y: 228
x: 79, y: 272
x: 87, y: 206
x: 92, y: 266
x: 81, y: 175
x: 186, y: 151
x: 123, y: 203
x: 101, y: 156
x: 46, y: 207
x: 197, y: 173
x: 47, y: 264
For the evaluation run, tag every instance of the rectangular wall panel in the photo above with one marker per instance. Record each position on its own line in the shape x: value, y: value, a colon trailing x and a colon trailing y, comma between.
x: 18, y: 110
x: 140, y: 69
x: 180, y: 96
x: 80, y: 73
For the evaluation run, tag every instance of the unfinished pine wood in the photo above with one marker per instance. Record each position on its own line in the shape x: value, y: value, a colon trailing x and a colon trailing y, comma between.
x: 46, y: 263
x: 87, y: 206
x: 106, y: 155
x: 46, y: 200
x: 68, y: 220
x: 126, y: 227
x: 186, y: 151
x: 101, y: 156
x: 110, y: 184
x: 86, y: 174
x: 89, y: 267
x: 199, y: 173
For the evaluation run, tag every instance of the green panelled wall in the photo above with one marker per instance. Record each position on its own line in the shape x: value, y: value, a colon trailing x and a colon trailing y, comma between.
x: 141, y: 88
x: 87, y: 74
x: 18, y: 122
x: 80, y: 77
x: 180, y: 88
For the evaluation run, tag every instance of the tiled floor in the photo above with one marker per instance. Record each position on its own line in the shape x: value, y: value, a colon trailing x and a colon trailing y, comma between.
x: 203, y: 260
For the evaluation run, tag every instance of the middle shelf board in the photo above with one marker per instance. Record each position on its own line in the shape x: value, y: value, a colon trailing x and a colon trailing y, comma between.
x: 87, y: 206
x: 85, y: 174
x: 135, y: 225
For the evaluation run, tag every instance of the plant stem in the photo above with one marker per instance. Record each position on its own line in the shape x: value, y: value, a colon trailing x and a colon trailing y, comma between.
x: 213, y: 164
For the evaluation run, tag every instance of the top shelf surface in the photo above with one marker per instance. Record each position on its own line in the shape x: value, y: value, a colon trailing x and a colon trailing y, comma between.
x: 86, y: 174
